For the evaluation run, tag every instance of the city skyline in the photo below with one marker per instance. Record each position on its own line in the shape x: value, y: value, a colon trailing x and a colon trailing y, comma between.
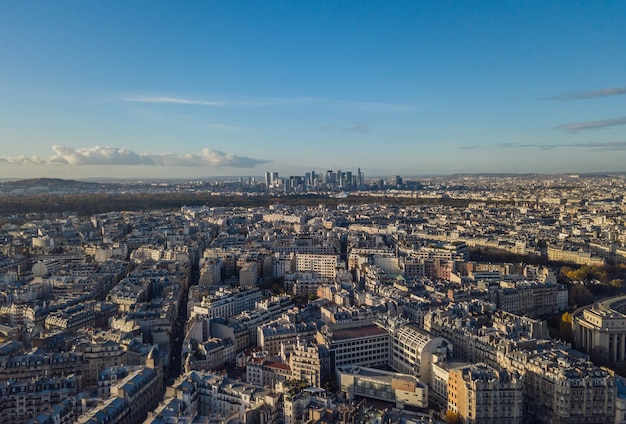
x: 147, y: 90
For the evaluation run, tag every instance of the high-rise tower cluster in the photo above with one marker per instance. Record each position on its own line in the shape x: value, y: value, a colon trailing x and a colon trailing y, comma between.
x: 329, y: 179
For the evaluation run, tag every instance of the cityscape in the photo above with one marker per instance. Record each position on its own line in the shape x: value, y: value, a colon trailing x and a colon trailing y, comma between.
x: 439, y: 300
x: 244, y: 212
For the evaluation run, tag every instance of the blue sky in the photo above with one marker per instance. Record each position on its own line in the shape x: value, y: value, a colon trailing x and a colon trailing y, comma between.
x: 200, y: 88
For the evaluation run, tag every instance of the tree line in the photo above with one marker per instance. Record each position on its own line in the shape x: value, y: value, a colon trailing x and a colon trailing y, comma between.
x: 86, y: 204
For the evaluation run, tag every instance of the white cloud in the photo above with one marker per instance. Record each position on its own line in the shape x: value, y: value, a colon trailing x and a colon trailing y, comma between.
x: 114, y: 156
x: 173, y: 100
x: 277, y: 101
x: 97, y: 155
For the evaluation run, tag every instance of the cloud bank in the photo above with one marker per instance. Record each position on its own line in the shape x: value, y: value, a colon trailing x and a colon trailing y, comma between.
x: 584, y: 95
x: 575, y: 127
x: 115, y: 156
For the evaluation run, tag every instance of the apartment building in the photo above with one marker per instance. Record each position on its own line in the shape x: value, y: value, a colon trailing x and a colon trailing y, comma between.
x: 325, y: 265
x: 481, y: 394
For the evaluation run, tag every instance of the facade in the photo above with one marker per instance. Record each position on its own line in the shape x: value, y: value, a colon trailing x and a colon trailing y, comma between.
x: 22, y: 401
x: 403, y: 389
x: 249, y: 274
x: 210, y: 272
x: 305, y: 283
x: 272, y: 335
x: 35, y: 364
x: 72, y: 319
x: 206, y: 356
x: 205, y: 397
x: 227, y: 304
x: 368, y: 346
x: 482, y: 394
x: 413, y: 350
x: 600, y: 329
x: 560, y: 387
x: 308, y: 362
x: 325, y: 265
x: 132, y: 397
x: 313, y: 405
x: 98, y: 355
x: 531, y: 297
x: 266, y: 373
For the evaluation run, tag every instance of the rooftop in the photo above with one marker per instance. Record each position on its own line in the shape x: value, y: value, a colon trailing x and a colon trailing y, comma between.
x: 358, y: 332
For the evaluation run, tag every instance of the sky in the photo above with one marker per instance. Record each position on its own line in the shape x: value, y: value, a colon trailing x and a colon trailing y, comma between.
x: 152, y: 89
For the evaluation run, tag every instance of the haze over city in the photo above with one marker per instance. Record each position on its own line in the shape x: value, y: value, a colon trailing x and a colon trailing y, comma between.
x: 158, y: 89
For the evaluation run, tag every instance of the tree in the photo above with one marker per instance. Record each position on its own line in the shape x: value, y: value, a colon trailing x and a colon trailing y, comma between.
x: 581, y: 274
x: 579, y: 295
x: 452, y: 417
x: 566, y: 317
x: 618, y: 283
x: 565, y: 327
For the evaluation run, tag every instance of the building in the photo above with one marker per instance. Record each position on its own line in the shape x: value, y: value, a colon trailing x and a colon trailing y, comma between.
x: 132, y: 397
x: 314, y: 405
x: 305, y: 283
x: 249, y: 275
x: 563, y: 387
x: 413, y: 350
x: 98, y: 355
x: 367, y: 346
x: 325, y: 265
x: 403, y: 389
x: 205, y: 356
x: 225, y: 303
x: 600, y: 329
x: 272, y: 335
x: 262, y: 371
x: 309, y: 362
x: 22, y: 401
x: 205, y: 397
x: 35, y: 363
x: 481, y: 394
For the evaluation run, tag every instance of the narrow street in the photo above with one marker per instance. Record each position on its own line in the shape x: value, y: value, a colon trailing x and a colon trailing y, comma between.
x: 178, y: 335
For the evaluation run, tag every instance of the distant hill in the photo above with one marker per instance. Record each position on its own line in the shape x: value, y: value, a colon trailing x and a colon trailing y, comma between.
x: 51, y: 183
